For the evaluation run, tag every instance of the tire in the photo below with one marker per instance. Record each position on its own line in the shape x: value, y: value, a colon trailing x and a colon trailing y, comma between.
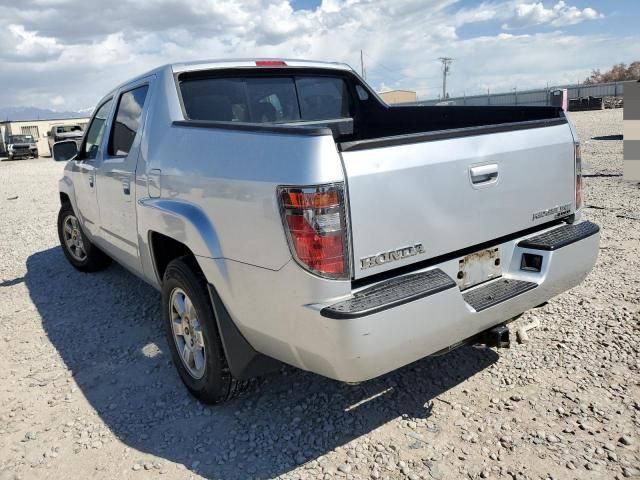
x: 209, y: 379
x: 92, y: 259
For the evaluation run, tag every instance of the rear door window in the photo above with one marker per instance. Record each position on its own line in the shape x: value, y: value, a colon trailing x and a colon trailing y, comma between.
x: 265, y: 99
x: 127, y: 122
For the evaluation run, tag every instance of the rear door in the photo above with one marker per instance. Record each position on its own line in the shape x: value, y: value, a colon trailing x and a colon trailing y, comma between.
x: 415, y: 201
x: 116, y: 174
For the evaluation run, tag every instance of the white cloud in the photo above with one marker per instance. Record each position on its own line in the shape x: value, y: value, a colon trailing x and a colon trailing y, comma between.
x: 57, y: 101
x: 79, y: 50
x: 23, y: 45
x: 561, y: 14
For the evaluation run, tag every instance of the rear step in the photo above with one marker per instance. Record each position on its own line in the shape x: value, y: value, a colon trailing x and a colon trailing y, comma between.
x: 496, y: 292
x: 560, y: 237
x: 390, y: 293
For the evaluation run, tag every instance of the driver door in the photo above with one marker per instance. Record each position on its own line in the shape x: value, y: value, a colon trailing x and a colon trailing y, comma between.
x: 84, y: 170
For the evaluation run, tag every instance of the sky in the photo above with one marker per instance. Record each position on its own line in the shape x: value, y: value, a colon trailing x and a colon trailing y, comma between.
x: 66, y: 54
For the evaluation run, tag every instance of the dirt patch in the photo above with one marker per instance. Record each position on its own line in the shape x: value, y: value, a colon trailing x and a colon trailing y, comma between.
x: 88, y: 390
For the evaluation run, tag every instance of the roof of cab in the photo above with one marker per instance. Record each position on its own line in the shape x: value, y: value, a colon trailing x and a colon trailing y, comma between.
x: 227, y: 63
x: 251, y: 63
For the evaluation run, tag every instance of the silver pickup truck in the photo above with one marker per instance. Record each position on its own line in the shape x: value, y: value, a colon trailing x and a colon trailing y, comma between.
x: 288, y: 215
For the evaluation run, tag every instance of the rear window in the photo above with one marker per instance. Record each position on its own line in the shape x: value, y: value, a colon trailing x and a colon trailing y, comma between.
x: 265, y: 99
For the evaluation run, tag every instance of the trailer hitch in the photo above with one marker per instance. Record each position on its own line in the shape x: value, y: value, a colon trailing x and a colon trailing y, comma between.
x: 497, y: 337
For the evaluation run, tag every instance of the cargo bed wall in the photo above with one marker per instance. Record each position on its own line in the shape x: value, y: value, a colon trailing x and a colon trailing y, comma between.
x: 378, y: 121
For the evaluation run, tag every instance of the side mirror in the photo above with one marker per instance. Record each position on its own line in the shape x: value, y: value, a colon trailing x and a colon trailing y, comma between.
x: 63, y: 151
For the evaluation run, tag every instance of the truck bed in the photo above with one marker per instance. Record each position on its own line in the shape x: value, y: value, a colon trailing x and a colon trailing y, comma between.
x: 398, y: 125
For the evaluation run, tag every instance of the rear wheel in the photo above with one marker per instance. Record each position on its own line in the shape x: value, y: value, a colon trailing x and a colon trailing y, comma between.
x: 78, y: 249
x: 192, y: 333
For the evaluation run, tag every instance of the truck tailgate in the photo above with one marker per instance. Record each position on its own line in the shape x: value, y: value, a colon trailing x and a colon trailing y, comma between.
x: 447, y: 194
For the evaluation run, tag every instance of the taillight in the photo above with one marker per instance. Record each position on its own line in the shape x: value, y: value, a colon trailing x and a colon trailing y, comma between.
x: 315, y: 224
x: 578, y: 158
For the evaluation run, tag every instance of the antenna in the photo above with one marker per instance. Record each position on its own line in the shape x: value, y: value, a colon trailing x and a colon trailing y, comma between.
x: 446, y: 63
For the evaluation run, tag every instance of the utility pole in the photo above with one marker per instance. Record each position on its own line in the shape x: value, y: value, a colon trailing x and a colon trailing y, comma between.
x: 362, y: 72
x: 446, y: 62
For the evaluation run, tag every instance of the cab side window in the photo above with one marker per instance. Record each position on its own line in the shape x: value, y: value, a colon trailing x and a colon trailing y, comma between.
x: 96, y: 131
x: 127, y: 121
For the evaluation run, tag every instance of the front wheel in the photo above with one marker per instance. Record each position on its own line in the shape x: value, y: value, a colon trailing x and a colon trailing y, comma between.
x: 78, y: 249
x: 192, y: 333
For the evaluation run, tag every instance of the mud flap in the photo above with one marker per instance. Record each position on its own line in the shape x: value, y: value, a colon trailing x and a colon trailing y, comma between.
x: 244, y: 362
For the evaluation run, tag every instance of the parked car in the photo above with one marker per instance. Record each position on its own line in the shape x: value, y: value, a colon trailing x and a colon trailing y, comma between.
x: 285, y: 212
x: 21, y: 146
x: 58, y: 133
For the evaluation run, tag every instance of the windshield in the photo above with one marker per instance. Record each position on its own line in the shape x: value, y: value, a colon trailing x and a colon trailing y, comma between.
x: 20, y: 139
x: 69, y: 128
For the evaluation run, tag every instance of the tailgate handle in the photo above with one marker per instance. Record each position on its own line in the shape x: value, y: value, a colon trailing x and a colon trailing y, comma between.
x: 484, y: 174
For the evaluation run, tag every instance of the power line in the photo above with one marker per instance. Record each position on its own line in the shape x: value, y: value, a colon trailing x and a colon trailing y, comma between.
x: 397, y: 77
x: 379, y: 64
x: 446, y: 63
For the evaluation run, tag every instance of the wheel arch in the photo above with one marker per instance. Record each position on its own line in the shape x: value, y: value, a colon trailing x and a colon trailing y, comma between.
x: 243, y: 360
x: 183, y: 222
x: 163, y: 250
x: 66, y: 191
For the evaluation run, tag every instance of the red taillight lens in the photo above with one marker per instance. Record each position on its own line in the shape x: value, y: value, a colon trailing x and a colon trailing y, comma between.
x: 314, y: 219
x: 578, y: 158
x: 270, y: 63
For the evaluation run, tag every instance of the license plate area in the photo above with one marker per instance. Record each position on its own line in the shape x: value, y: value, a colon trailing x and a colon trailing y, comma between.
x: 479, y: 267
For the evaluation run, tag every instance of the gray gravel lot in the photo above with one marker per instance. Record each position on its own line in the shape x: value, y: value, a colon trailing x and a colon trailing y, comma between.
x: 87, y: 389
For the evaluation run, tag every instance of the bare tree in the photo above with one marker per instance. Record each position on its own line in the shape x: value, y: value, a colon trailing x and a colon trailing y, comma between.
x: 618, y: 72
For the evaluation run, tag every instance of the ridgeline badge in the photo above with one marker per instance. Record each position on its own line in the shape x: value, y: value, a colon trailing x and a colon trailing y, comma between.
x: 557, y: 212
x: 391, y: 256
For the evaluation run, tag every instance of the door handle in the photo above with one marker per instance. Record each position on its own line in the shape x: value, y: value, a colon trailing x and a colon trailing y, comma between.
x: 484, y: 174
x: 91, y: 180
x: 126, y: 186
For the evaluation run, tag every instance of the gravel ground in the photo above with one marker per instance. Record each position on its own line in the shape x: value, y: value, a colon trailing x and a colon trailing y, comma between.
x: 87, y: 389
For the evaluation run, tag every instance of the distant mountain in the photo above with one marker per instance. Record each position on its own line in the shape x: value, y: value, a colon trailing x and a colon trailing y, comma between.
x: 34, y: 113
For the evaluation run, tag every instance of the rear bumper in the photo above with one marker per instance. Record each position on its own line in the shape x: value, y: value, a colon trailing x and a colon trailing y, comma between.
x: 274, y: 312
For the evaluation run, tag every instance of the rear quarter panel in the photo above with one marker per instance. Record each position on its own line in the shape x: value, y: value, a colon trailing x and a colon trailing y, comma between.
x: 230, y: 178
